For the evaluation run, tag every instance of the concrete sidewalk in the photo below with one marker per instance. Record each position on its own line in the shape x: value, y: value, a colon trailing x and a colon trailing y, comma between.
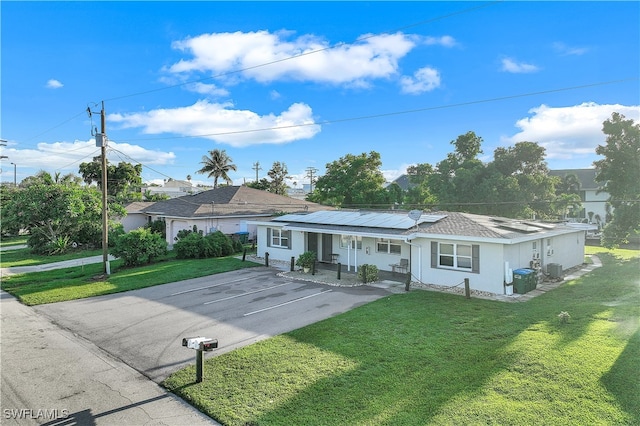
x: 51, y: 376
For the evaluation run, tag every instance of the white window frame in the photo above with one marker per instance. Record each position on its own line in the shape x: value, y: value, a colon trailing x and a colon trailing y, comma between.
x: 278, y: 237
x: 389, y: 243
x: 459, y: 260
x: 344, y: 242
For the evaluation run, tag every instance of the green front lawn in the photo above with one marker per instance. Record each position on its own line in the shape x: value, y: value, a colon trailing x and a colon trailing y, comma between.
x: 24, y: 257
x: 432, y: 358
x: 86, y: 281
x: 12, y: 241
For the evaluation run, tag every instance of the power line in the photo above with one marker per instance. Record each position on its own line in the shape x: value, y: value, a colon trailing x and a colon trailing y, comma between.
x: 389, y: 114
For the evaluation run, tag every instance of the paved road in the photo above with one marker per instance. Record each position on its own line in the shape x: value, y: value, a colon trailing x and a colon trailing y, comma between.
x: 50, y: 376
x: 144, y: 328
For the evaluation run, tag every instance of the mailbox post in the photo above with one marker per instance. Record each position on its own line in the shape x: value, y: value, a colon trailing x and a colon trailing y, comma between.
x: 200, y: 344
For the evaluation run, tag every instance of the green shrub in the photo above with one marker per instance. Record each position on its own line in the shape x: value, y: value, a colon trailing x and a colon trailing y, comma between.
x: 139, y: 246
x: 158, y: 226
x: 368, y: 273
x: 222, y: 243
x: 193, y: 245
x: 307, y: 259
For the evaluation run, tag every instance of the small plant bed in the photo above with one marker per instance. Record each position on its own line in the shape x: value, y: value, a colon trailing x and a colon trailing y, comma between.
x: 86, y: 281
x: 566, y: 357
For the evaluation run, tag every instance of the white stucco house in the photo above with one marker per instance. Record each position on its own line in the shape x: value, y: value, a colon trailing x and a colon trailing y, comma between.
x: 440, y: 248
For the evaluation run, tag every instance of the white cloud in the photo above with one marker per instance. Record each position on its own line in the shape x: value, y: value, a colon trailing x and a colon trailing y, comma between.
x: 53, y: 84
x: 208, y: 89
x: 423, y: 80
x: 221, y: 123
x: 274, y: 94
x: 67, y: 156
x: 567, y: 132
x: 375, y: 56
x: 564, y: 50
x: 445, y: 41
x: 511, y: 65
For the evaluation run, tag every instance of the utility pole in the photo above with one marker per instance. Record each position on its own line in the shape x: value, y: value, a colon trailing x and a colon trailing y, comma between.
x: 310, y: 172
x: 256, y: 167
x: 101, y: 138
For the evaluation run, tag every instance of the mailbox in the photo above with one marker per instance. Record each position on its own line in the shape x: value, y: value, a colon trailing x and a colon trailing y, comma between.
x: 208, y: 345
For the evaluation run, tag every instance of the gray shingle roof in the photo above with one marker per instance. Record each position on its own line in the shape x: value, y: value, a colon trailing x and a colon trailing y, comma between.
x: 230, y: 201
x: 587, y: 177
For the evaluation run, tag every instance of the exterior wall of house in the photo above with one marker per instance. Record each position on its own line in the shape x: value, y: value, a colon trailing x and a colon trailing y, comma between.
x: 490, y: 275
x: 595, y: 203
x: 566, y: 250
x: 227, y: 226
x: 133, y: 221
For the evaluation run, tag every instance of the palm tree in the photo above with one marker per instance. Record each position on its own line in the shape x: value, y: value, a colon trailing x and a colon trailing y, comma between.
x: 218, y: 165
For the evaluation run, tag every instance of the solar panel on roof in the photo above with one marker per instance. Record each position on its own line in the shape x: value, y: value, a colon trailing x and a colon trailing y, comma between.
x: 521, y: 227
x: 368, y: 219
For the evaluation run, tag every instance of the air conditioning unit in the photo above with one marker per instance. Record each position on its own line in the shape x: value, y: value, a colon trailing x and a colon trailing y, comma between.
x: 549, y: 252
x: 536, y: 255
x: 554, y: 270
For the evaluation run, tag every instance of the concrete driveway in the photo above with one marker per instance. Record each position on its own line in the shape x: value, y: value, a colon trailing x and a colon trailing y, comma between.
x: 144, y: 328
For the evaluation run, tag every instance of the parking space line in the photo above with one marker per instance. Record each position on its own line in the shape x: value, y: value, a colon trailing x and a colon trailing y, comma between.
x: 209, y: 286
x: 246, y: 294
x: 286, y: 303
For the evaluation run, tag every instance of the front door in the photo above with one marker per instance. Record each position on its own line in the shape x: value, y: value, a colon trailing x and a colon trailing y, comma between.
x: 312, y: 242
x: 327, y: 250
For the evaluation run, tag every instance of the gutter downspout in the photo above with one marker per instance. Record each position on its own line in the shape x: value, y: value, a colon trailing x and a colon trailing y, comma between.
x: 408, y: 241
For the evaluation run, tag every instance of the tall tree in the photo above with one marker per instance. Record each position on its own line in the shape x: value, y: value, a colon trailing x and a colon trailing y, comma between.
x: 218, y: 164
x: 278, y: 173
x: 419, y: 192
x: 619, y: 175
x: 124, y: 181
x: 352, y: 181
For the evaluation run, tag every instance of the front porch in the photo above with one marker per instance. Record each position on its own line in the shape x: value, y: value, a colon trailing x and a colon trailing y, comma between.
x: 326, y: 268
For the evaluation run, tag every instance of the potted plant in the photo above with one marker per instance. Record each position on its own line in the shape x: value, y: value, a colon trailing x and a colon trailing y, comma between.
x: 306, y: 260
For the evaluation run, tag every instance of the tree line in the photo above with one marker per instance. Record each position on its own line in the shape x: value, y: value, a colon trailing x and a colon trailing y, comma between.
x: 59, y: 210
x: 514, y: 184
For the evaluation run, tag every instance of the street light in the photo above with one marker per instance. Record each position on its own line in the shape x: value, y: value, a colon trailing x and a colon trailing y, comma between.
x: 14, y: 173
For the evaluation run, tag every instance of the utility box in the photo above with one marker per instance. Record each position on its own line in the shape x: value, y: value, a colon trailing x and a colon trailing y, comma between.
x: 554, y: 270
x: 524, y: 280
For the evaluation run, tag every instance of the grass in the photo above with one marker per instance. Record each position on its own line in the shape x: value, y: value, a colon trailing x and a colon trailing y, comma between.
x: 24, y: 257
x: 12, y: 241
x: 432, y: 358
x: 87, y: 281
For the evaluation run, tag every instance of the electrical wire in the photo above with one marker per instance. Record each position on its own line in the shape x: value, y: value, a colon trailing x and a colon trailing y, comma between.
x: 393, y: 113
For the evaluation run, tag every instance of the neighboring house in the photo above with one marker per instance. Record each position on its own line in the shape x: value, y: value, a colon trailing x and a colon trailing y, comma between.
x: 173, y: 189
x: 136, y: 217
x: 592, y: 201
x: 227, y: 209
x: 440, y: 248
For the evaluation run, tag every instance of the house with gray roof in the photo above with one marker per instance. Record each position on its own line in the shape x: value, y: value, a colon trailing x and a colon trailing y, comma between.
x: 441, y: 248
x: 593, y: 201
x: 227, y: 209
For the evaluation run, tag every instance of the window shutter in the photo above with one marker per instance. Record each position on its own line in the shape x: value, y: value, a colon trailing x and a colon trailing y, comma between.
x: 288, y: 239
x: 434, y: 254
x: 268, y: 237
x: 475, y: 259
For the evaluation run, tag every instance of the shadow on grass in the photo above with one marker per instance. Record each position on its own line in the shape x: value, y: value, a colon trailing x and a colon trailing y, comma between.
x: 423, y: 350
x: 621, y: 380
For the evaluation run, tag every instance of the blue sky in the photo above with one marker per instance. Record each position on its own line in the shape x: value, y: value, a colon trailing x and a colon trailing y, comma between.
x: 306, y: 83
